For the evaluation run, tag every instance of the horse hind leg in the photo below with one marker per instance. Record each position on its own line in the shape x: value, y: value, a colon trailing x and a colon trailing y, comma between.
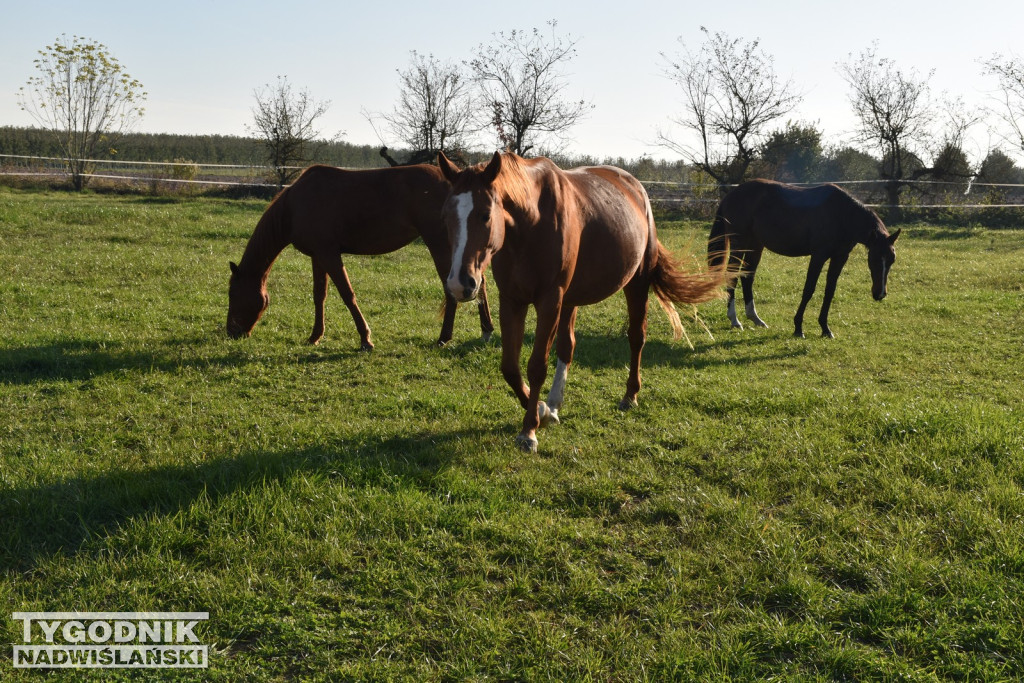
x: 319, y: 297
x: 716, y: 253
x: 336, y: 269
x: 636, y: 305
x: 566, y: 344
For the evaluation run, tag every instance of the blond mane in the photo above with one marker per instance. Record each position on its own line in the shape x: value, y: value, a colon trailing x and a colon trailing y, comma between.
x: 515, y: 183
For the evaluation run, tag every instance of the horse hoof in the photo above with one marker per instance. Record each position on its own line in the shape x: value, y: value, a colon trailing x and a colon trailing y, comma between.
x: 486, y: 337
x: 761, y: 323
x: 799, y: 334
x: 627, y: 404
x: 526, y: 443
x: 827, y: 334
x: 547, y: 415
x: 313, y: 341
x: 441, y: 343
x: 366, y: 346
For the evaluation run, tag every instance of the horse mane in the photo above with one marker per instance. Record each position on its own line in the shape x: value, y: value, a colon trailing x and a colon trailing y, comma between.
x: 877, y: 227
x: 514, y: 182
x: 271, y: 235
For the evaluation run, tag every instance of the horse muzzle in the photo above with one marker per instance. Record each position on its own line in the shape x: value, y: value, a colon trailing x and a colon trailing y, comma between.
x: 236, y: 331
x: 463, y: 287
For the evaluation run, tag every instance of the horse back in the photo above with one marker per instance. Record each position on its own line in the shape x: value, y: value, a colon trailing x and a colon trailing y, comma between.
x: 789, y: 220
x: 371, y: 211
x: 616, y: 231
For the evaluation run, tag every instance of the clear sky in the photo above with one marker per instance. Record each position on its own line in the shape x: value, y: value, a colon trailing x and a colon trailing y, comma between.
x: 201, y: 61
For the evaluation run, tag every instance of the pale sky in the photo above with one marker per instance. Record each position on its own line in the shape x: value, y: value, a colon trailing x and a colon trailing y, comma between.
x: 201, y: 61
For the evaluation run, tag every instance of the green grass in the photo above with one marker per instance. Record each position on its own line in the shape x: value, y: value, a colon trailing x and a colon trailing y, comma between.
x: 802, y: 509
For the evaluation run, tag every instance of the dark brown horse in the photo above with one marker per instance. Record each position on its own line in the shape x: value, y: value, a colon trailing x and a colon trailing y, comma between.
x: 559, y: 240
x: 328, y: 212
x: 823, y: 222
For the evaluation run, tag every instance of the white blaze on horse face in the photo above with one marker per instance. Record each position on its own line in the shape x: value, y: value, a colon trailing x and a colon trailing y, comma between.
x: 463, y: 207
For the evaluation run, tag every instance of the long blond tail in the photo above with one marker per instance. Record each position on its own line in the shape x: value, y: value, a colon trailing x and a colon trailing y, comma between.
x: 673, y: 285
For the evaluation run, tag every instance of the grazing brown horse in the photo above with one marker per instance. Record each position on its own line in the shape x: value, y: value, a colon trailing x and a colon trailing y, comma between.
x: 559, y: 240
x: 823, y: 222
x: 328, y: 212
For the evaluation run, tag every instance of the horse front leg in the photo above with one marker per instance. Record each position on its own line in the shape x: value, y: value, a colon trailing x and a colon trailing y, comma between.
x: 753, y: 260
x: 486, y: 326
x: 448, y: 322
x: 336, y: 269
x: 512, y: 319
x: 813, y: 272
x: 835, y: 267
x: 731, y: 308
x: 319, y: 297
x: 537, y: 412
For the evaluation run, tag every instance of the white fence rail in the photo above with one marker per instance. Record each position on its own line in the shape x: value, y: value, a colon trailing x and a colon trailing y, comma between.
x: 931, y: 195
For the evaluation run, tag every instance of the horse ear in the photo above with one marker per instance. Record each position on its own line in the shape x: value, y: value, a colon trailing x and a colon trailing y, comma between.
x: 449, y: 170
x: 234, y: 267
x: 895, y: 236
x: 493, y: 169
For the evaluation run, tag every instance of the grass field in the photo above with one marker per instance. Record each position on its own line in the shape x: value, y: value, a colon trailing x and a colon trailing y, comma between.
x: 776, y: 507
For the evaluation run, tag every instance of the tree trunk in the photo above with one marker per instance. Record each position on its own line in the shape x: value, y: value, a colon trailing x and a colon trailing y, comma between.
x: 893, y: 211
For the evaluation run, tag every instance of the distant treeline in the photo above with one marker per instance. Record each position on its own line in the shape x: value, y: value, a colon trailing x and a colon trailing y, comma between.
x: 201, y: 149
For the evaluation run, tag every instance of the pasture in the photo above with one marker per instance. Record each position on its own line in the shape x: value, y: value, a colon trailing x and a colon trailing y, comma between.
x: 814, y: 509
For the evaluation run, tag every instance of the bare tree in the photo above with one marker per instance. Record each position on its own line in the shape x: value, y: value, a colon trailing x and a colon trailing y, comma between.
x: 1009, y: 71
x: 434, y: 112
x: 894, y: 112
x: 84, y: 97
x: 521, y: 84
x: 950, y: 161
x: 286, y: 123
x: 731, y: 94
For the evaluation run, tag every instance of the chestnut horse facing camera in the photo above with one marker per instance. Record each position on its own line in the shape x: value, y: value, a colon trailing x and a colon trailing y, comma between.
x: 328, y: 212
x: 559, y: 240
x: 823, y: 222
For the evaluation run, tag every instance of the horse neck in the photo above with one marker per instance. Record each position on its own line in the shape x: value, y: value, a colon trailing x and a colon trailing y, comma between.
x: 874, y: 232
x: 271, y: 236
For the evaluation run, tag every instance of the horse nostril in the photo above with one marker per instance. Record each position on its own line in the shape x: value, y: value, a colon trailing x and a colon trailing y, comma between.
x: 468, y: 281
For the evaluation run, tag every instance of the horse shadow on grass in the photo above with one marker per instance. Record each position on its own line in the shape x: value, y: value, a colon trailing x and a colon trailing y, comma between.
x: 612, y: 351
x: 66, y: 516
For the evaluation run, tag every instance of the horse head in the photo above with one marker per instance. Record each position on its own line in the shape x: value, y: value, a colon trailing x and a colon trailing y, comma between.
x: 881, y: 255
x: 475, y: 219
x: 247, y: 299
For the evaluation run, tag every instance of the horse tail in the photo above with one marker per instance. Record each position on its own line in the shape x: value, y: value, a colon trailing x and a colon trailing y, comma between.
x: 673, y: 285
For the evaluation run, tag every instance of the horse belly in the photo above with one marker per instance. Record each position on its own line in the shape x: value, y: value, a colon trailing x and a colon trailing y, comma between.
x: 604, y: 266
x: 352, y: 237
x: 785, y: 242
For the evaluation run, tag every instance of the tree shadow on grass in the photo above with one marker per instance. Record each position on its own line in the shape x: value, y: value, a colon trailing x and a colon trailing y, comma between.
x: 40, y: 520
